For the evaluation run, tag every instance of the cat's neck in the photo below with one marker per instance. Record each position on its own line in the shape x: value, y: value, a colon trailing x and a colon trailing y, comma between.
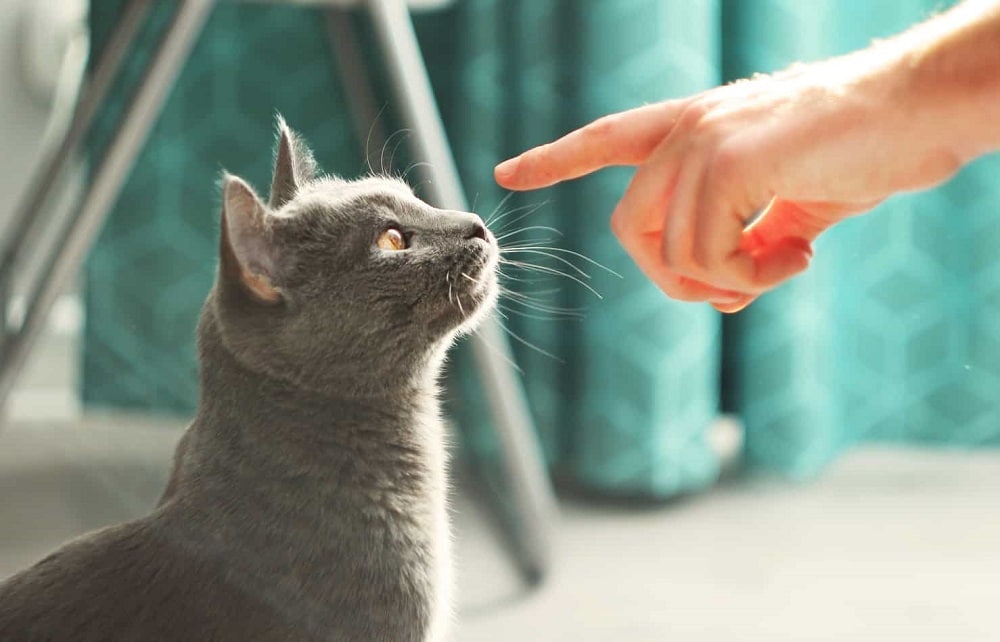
x: 249, y: 422
x: 228, y: 383
x: 296, y: 490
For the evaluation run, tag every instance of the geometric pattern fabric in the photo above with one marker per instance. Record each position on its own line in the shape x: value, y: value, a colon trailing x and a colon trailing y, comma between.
x: 893, y: 335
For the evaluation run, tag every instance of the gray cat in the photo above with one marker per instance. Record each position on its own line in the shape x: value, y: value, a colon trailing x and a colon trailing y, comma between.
x: 307, y: 500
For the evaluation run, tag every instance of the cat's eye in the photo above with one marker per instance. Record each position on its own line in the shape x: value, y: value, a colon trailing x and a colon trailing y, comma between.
x: 392, y: 239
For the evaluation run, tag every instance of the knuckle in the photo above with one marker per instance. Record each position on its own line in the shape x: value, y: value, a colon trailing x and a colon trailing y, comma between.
x: 686, y: 266
x: 701, y: 260
x: 541, y: 154
x: 693, y: 116
x: 598, y: 137
x: 539, y: 162
x: 603, y: 128
x: 668, y: 254
x: 710, y: 257
x: 725, y: 165
x: 678, y: 259
x: 676, y: 252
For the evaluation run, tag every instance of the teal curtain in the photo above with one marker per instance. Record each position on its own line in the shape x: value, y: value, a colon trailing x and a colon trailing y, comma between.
x: 893, y: 335
x: 624, y: 403
x: 890, y: 337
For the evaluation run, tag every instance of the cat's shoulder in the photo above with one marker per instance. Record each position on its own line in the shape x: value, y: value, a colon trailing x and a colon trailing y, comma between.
x: 76, y: 584
x: 129, y: 582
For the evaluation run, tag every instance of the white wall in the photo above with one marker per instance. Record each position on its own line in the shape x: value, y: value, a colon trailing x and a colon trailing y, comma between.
x: 22, y: 116
x: 33, y: 37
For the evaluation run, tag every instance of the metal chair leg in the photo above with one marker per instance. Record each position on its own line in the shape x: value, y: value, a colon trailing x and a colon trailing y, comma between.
x: 71, y: 248
x: 26, y: 217
x: 353, y: 72
x: 523, y: 464
x: 55, y: 158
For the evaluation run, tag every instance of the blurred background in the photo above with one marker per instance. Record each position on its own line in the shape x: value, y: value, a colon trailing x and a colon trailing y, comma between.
x: 820, y: 466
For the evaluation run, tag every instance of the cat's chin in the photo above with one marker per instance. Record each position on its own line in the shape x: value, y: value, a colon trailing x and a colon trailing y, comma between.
x: 464, y: 309
x: 482, y: 302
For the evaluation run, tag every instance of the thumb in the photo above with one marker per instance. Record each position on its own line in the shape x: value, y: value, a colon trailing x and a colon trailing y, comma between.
x: 805, y: 221
x: 780, y: 220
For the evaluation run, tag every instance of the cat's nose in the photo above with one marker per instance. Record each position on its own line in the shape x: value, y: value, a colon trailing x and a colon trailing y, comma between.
x: 476, y: 230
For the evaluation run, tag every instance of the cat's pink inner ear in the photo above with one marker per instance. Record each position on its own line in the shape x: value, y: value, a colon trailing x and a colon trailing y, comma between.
x: 248, y: 239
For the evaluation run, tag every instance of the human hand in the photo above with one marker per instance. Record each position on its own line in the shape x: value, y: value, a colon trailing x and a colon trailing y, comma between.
x: 807, y: 148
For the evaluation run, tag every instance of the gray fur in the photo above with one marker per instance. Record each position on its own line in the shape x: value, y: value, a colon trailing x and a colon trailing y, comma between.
x: 307, y: 500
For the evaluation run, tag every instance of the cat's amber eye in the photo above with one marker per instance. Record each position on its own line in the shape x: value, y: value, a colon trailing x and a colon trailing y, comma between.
x: 391, y: 239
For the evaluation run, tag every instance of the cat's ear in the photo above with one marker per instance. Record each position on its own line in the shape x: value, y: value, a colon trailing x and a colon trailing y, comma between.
x: 248, y: 258
x: 294, y: 165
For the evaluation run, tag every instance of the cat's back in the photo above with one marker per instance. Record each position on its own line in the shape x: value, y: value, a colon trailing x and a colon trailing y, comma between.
x: 124, y: 584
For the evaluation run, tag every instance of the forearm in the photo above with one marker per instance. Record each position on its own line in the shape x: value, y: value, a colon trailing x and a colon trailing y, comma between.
x: 950, y: 72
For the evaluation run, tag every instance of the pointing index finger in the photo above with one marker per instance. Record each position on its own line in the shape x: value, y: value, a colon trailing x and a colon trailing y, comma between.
x: 626, y: 138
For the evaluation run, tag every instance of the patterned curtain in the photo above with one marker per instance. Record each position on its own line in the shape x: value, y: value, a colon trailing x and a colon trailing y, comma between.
x: 893, y: 335
x: 889, y: 337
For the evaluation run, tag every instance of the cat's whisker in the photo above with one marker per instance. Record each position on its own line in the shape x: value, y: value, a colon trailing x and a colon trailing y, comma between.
x: 550, y: 270
x: 381, y: 154
x: 539, y: 303
x: 538, y: 306
x: 541, y: 316
x: 526, y: 295
x: 551, y: 251
x: 413, y: 166
x: 476, y: 282
x: 554, y: 257
x: 528, y: 229
x: 529, y: 344
x: 529, y: 301
x: 492, y: 217
x: 505, y: 276
x: 531, y: 209
x: 385, y: 145
x: 537, y: 317
x: 392, y: 155
x: 368, y: 138
x: 500, y: 353
x: 458, y: 296
x: 418, y: 186
x: 532, y: 242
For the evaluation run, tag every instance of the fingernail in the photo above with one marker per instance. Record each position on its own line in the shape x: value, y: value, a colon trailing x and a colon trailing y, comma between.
x: 507, y: 169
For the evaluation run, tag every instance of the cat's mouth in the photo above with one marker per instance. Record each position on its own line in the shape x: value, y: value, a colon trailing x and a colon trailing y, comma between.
x: 472, y: 283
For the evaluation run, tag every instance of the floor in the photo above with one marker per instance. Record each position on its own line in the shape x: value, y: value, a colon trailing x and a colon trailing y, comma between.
x: 889, y: 545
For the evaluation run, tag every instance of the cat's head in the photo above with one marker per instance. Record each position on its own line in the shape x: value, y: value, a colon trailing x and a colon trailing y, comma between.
x: 333, y: 281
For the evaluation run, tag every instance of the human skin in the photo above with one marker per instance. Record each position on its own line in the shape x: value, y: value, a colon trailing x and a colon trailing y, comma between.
x: 808, y: 147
